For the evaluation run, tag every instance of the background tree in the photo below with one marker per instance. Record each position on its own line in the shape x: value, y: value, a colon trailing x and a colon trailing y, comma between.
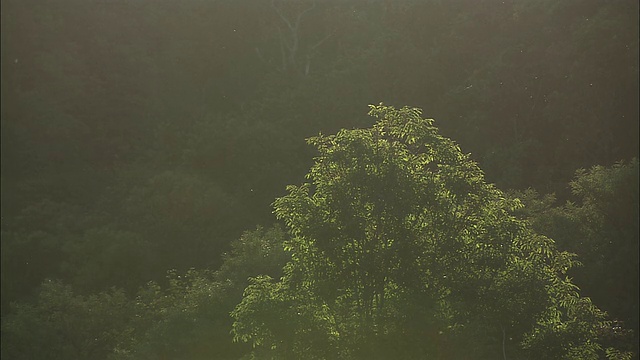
x: 601, y: 226
x: 187, y: 314
x: 61, y: 324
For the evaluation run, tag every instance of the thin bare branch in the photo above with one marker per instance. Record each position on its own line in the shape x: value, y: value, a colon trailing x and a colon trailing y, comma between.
x: 321, y: 41
x: 302, y: 14
x: 273, y: 5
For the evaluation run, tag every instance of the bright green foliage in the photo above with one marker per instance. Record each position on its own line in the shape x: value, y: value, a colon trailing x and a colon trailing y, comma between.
x: 400, y: 249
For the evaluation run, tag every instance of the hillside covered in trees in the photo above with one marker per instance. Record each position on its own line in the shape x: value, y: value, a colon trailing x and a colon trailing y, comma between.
x: 208, y: 179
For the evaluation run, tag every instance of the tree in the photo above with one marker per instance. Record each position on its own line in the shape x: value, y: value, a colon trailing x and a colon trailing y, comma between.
x: 400, y: 249
x: 601, y: 226
x: 188, y: 316
x: 61, y: 324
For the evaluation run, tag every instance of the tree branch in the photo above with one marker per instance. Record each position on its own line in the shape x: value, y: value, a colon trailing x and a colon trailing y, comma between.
x: 273, y: 5
x: 302, y: 14
x: 293, y: 29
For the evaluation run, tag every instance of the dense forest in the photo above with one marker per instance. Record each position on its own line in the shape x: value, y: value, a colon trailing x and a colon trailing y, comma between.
x: 210, y: 180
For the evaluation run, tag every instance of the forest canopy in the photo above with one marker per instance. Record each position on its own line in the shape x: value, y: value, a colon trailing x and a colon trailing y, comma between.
x: 143, y: 144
